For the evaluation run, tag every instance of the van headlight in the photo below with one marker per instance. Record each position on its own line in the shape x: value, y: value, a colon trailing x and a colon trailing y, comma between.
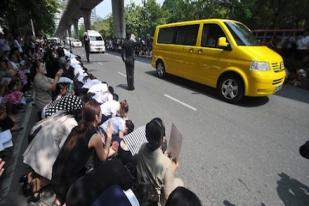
x: 260, y: 66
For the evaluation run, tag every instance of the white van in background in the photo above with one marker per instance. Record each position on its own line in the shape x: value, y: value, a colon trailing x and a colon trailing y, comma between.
x: 97, y: 43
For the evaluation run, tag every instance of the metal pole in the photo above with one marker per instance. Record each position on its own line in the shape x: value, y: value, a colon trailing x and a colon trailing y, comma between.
x: 32, y: 27
x: 70, y: 46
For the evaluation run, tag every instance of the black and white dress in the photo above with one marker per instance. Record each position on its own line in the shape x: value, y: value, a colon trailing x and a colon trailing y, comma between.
x: 67, y: 103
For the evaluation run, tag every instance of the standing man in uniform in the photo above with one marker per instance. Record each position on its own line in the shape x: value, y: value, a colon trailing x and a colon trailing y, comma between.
x: 128, y: 58
x: 87, y: 45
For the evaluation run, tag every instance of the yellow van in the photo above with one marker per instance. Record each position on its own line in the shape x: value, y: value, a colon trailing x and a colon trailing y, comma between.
x: 219, y: 53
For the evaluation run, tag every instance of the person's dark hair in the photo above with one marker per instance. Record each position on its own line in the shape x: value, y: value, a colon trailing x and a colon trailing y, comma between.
x: 89, y: 112
x: 60, y: 52
x: 155, y: 131
x: 60, y: 86
x: 37, y: 64
x: 14, y: 51
x: 86, y: 97
x: 77, y: 114
x: 111, y: 89
x: 304, y: 150
x: 128, y: 35
x: 183, y: 197
x: 130, y: 126
x: 88, y: 115
x: 115, y: 97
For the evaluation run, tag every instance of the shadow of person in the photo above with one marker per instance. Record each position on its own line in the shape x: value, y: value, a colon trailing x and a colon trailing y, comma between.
x: 122, y: 86
x: 291, y: 191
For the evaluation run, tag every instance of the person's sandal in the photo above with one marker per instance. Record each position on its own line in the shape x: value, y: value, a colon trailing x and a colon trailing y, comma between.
x: 56, y: 202
x: 35, y: 196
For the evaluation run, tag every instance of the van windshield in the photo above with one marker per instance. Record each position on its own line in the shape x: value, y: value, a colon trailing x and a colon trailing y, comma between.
x: 95, y: 38
x: 242, y: 34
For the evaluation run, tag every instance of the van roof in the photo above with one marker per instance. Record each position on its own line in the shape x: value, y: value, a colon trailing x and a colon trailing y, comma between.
x: 92, y: 32
x: 195, y: 22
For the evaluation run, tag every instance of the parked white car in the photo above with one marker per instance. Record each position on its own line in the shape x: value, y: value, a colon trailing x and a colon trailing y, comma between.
x: 54, y: 40
x: 97, y: 43
x: 76, y: 43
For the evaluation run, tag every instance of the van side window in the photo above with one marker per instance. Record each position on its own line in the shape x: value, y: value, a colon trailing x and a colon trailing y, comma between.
x: 211, y: 34
x: 186, y: 35
x: 95, y: 38
x: 167, y: 35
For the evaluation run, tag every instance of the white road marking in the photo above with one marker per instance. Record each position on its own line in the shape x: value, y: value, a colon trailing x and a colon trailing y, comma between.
x: 100, y: 63
x: 122, y: 74
x: 180, y: 102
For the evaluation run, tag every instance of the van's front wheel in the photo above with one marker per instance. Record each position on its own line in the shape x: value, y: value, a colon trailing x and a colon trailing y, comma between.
x: 231, y: 88
x: 160, y: 69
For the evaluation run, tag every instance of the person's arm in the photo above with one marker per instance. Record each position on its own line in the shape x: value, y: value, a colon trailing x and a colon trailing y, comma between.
x: 169, y: 179
x: 55, y: 81
x: 102, y: 150
x: 123, y: 53
x: 121, y: 134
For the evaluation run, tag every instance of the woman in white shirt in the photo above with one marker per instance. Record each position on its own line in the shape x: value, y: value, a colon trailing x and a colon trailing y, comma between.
x: 111, y: 108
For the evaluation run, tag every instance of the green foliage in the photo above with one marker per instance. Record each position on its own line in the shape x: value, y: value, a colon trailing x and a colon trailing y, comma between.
x: 105, y: 27
x: 17, y: 15
x: 142, y: 20
x: 81, y: 31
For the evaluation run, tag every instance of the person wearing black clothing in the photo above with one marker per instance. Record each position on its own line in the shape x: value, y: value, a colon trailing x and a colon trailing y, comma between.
x: 83, y: 145
x: 128, y: 58
x: 89, y: 187
x: 87, y: 45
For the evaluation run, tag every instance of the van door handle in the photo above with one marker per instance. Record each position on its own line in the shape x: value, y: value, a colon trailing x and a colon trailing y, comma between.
x: 191, y: 50
x: 200, y: 51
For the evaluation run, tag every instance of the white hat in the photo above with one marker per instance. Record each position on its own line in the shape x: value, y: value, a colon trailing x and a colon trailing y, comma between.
x: 98, y: 88
x: 65, y: 80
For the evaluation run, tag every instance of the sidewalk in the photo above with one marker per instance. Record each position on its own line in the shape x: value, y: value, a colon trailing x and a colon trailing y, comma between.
x: 13, y: 154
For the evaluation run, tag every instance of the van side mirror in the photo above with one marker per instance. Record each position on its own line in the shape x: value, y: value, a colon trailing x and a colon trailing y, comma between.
x: 222, y: 43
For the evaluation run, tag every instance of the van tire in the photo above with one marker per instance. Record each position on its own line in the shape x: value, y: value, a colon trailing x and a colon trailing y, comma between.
x: 160, y: 69
x: 231, y: 88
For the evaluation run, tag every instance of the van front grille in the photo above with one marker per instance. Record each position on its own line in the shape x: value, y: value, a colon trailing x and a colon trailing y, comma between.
x: 277, y: 81
x: 277, y: 66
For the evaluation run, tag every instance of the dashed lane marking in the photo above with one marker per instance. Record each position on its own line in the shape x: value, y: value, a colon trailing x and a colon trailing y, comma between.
x: 180, y: 102
x: 122, y: 74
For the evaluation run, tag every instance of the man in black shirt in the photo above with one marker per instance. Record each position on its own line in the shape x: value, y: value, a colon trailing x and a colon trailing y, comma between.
x: 87, y: 45
x: 128, y: 58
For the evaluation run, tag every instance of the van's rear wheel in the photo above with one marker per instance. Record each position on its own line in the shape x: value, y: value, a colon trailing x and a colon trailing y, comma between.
x: 160, y: 69
x: 231, y: 88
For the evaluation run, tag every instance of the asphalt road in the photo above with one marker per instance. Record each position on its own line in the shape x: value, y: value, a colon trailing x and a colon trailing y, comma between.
x: 245, y: 154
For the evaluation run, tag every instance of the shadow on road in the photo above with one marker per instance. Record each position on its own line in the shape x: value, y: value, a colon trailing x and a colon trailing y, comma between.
x: 291, y: 191
x: 140, y: 59
x: 122, y: 86
x: 209, y: 91
x: 228, y: 203
x: 294, y: 93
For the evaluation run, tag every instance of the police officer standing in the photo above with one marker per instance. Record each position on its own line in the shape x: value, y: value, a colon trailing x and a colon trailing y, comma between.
x: 128, y: 58
x: 87, y: 45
